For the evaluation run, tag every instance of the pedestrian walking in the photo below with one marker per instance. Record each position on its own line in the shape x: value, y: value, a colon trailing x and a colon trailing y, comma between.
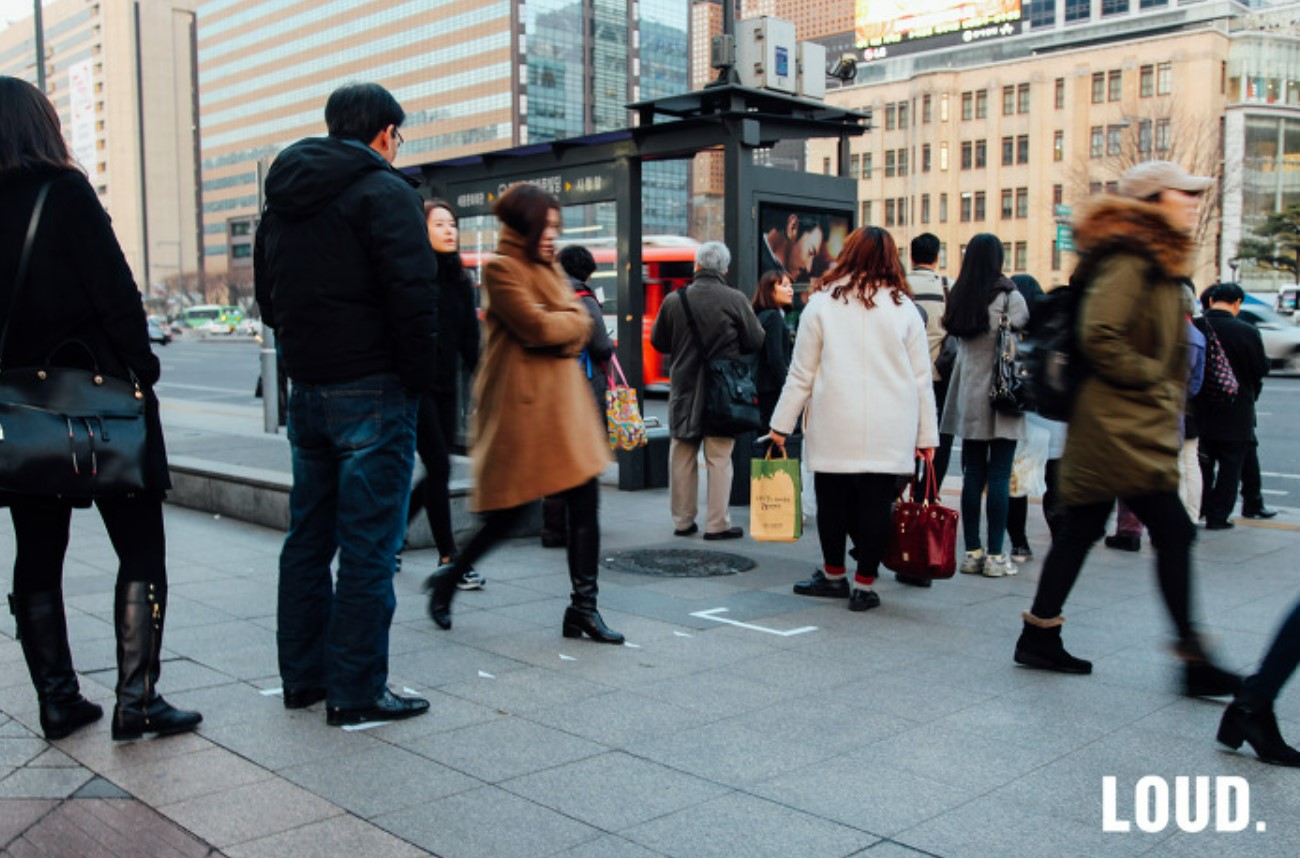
x: 1250, y: 717
x: 1123, y: 431
x: 77, y: 305
x: 536, y: 431
x: 979, y: 299
x: 861, y: 376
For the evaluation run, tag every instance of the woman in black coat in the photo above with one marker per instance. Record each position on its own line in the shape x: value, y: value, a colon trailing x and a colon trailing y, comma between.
x: 78, y: 288
x: 439, y: 416
x: 773, y: 297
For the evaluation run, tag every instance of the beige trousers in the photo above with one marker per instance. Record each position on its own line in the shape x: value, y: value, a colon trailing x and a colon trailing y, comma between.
x: 684, y: 482
x: 1189, y: 479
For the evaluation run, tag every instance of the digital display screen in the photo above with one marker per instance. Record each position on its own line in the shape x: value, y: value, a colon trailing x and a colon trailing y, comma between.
x: 801, y: 241
x: 886, y: 24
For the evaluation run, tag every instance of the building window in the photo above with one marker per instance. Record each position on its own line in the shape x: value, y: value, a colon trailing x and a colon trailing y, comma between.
x: 867, y: 169
x: 925, y: 157
x: 1112, y: 187
x: 1022, y: 255
x: 967, y: 198
x: 1006, y: 256
x: 1042, y: 13
x: 891, y: 118
x: 1098, y: 87
x: 1152, y: 4
x: 890, y: 162
x: 943, y: 107
x: 1008, y: 151
x: 1022, y: 203
x: 826, y: 166
x: 967, y: 106
x: 1114, y: 7
x: 853, y: 166
x: 1144, y: 137
x: 1096, y: 142
x: 1162, y: 135
x: 943, y: 208
x: 926, y: 111
x: 1114, y: 85
x: 902, y: 114
x: 1058, y: 146
x: 1008, y: 100
x: 979, y: 206
x: 1022, y: 98
x: 866, y: 213
x: 1146, y: 81
x: 1022, y: 149
x: 902, y: 211
x: 889, y: 212
x: 1007, y: 208
x: 1077, y: 10
x: 902, y: 162
x: 981, y: 154
x: 1056, y: 255
x: 1058, y: 195
x: 1094, y: 188
x: 1059, y: 96
x: 1164, y: 78
x: 925, y: 208
x: 982, y: 104
x: 967, y: 154
x: 1114, y: 139
x: 943, y: 255
x: 943, y: 156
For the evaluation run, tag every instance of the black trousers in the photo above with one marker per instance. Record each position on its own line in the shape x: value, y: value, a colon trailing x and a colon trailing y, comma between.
x: 41, y: 526
x: 1221, y: 463
x: 434, y: 430
x: 857, y: 506
x: 1252, y: 483
x: 1172, y: 534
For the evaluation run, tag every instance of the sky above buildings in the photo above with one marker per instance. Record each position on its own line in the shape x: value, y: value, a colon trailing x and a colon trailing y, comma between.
x: 15, y: 10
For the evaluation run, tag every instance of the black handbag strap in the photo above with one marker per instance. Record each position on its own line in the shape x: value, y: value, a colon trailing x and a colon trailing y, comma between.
x: 24, y: 261
x: 695, y: 332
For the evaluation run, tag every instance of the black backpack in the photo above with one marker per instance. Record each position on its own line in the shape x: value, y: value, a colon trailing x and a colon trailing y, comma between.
x: 1052, y: 367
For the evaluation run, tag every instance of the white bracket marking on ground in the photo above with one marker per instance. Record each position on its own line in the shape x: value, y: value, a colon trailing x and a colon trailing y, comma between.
x: 365, y: 725
x: 709, y: 615
x: 272, y: 692
x: 483, y: 674
x: 564, y: 657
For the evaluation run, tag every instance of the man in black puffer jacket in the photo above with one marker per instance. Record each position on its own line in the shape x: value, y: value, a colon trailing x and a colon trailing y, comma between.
x: 345, y: 276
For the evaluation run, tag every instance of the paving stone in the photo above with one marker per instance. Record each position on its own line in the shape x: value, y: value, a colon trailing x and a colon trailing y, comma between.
x: 379, y: 781
x: 164, y: 782
x: 43, y: 783
x: 505, y: 748
x: 98, y: 787
x: 330, y: 838
x: 99, y: 827
x: 249, y: 812
x: 19, y: 814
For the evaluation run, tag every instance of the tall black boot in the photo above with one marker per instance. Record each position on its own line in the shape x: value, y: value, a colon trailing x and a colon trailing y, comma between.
x: 43, y: 630
x: 138, y: 612
x: 581, y: 617
x: 1201, y: 676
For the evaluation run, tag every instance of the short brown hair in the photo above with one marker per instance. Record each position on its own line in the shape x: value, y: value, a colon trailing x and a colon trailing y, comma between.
x: 523, y: 208
x: 430, y: 205
x: 867, y: 263
x: 765, y: 294
x: 32, y: 137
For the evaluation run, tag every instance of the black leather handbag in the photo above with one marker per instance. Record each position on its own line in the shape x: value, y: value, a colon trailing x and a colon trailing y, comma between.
x: 67, y: 432
x: 1007, y: 394
x: 730, y: 394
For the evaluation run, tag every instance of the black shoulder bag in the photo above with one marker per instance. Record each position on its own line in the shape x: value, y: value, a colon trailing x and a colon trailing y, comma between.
x: 730, y: 395
x: 67, y: 432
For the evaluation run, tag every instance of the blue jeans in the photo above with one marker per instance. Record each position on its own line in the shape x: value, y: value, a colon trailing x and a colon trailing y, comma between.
x: 353, y: 454
x: 986, y: 463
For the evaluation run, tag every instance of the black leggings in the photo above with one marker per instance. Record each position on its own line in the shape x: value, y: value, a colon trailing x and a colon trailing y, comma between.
x: 1172, y: 534
x: 857, y: 506
x: 582, y: 504
x: 434, y: 430
x: 41, y: 525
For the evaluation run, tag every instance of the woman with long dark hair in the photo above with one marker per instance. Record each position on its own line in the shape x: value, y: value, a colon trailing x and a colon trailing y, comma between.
x: 979, y: 298
x: 536, y: 431
x: 439, y: 416
x: 773, y: 297
x: 862, y: 368
x: 87, y: 296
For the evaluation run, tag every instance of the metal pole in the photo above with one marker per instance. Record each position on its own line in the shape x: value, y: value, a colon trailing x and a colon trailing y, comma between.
x: 39, y: 22
x: 270, y: 360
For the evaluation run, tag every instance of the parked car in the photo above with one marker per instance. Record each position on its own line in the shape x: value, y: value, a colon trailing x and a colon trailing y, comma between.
x: 1281, y: 337
x: 158, y: 333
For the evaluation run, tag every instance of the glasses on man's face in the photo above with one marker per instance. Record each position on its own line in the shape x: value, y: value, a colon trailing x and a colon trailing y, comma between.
x: 397, y: 135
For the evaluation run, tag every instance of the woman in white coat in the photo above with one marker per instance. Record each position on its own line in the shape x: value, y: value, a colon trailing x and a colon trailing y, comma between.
x: 861, y: 379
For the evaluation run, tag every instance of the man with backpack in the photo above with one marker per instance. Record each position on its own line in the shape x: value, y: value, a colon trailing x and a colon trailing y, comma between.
x: 1227, y: 422
x: 1123, y: 440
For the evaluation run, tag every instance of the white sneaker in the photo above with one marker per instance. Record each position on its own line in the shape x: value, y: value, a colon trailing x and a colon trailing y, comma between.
x: 998, y: 565
x: 470, y: 580
x: 973, y: 562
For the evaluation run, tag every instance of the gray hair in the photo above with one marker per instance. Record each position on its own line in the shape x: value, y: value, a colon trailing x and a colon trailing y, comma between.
x: 714, y: 255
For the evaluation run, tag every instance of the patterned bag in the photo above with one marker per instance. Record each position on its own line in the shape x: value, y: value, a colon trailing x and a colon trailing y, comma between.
x: 1220, y: 387
x: 622, y: 415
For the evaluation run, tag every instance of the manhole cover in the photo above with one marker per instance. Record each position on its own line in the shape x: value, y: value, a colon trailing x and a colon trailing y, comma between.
x: 679, y: 563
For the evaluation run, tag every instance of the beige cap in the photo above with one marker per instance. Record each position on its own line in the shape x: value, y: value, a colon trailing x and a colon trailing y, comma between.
x: 1152, y: 177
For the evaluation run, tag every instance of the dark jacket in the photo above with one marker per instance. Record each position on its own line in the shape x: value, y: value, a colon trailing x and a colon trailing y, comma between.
x: 78, y: 287
x: 773, y: 362
x: 344, y: 271
x: 1124, y: 439
x: 1245, y: 351
x: 458, y: 325
x: 727, y: 327
x: 600, y: 348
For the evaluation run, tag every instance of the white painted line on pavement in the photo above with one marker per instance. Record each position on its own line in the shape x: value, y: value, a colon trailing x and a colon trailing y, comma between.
x: 564, y: 657
x: 485, y: 675
x: 709, y: 615
x: 366, y: 725
x: 1280, y: 476
x: 272, y: 692
x: 168, y: 385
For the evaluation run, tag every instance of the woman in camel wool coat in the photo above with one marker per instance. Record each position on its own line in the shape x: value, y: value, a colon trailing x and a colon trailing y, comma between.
x: 535, y: 432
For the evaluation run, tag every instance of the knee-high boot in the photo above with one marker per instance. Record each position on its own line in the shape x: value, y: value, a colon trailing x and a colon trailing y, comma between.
x: 43, y: 630
x: 554, y: 522
x: 581, y: 617
x: 138, y: 611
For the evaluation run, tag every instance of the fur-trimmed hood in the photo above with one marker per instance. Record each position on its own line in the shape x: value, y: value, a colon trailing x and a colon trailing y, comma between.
x: 1111, y: 224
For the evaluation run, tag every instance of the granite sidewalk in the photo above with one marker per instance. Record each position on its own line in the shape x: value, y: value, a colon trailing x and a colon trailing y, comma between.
x: 741, y: 720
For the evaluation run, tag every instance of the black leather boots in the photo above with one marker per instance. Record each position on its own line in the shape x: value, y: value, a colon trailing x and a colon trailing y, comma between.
x: 43, y: 629
x: 138, y: 612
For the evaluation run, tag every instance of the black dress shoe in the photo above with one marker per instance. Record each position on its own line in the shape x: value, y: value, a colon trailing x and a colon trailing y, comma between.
x: 687, y: 531
x: 913, y: 582
x: 1121, y: 542
x: 441, y: 587
x: 863, y: 600
x: 820, y: 585
x: 1258, y: 726
x: 1258, y: 512
x: 301, y: 698
x: 729, y: 533
x: 389, y: 707
x: 1219, y: 525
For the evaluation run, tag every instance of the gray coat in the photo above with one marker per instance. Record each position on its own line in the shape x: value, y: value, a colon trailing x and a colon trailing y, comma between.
x: 967, y: 412
x: 728, y: 328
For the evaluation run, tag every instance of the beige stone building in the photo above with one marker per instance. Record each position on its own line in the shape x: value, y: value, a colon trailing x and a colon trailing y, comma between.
x: 120, y: 75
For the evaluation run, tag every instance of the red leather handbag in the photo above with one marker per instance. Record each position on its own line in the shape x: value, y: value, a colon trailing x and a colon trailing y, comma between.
x: 923, y: 541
